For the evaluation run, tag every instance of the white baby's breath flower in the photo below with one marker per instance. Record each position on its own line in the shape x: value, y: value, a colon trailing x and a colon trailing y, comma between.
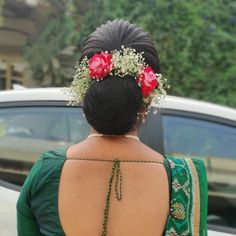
x: 124, y: 62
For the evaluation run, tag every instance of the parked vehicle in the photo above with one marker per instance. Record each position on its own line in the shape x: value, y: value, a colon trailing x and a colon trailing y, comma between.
x: 8, y: 197
x: 35, y: 120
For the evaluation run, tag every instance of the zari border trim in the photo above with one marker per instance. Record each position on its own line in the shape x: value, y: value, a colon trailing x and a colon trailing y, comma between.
x: 195, y: 216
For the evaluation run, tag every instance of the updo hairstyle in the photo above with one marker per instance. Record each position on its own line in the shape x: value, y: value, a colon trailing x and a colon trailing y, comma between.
x: 111, y: 105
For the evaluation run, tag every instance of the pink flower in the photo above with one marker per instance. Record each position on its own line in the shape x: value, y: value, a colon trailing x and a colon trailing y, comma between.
x: 100, y: 65
x: 147, y: 80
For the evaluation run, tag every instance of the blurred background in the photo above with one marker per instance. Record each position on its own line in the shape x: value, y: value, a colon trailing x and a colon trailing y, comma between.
x: 40, y: 41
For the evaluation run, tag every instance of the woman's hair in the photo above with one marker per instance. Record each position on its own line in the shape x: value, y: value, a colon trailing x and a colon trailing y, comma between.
x: 111, y: 105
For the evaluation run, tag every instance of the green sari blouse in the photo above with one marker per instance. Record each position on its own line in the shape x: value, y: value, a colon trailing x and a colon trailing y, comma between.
x: 37, y: 206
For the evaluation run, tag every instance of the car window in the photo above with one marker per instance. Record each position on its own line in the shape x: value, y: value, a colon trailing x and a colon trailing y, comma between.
x: 26, y: 132
x: 204, y: 138
x: 75, y: 124
x: 215, y: 143
x: 59, y: 129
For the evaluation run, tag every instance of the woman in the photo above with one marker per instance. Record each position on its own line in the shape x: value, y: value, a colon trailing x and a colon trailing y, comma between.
x: 111, y: 183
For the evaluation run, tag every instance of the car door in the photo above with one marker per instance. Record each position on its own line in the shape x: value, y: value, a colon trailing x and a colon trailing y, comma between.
x: 212, y: 139
x: 27, y: 129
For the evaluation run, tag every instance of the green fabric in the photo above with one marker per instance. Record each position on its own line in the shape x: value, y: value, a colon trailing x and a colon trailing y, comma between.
x: 201, y: 171
x: 26, y: 222
x: 181, y: 218
x: 37, y: 206
x: 38, y: 200
x: 181, y: 184
x: 168, y: 171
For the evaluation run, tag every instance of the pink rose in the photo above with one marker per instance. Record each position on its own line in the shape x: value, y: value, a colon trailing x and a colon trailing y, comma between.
x: 100, y: 65
x: 147, y: 80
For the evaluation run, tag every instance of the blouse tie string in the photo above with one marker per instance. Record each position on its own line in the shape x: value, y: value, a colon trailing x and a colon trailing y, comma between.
x: 115, y: 171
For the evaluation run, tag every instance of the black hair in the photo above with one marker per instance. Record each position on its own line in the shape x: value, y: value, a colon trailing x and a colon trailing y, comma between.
x: 111, y: 105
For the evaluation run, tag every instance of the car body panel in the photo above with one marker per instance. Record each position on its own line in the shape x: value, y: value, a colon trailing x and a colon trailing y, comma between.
x: 221, y: 172
x: 8, y: 199
x: 170, y: 102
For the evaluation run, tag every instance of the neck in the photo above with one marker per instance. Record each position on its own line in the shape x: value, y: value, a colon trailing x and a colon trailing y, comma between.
x: 133, y: 132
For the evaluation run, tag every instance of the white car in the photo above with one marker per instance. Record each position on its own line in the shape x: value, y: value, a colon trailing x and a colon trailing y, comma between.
x: 35, y: 120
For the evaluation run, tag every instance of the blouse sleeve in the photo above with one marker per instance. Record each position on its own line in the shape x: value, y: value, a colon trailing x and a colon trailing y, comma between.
x: 26, y: 222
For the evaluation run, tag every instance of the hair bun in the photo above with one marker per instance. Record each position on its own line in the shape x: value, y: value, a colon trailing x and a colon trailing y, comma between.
x: 111, y: 105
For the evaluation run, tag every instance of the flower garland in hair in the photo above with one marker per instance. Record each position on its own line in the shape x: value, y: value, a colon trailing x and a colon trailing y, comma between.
x: 120, y: 63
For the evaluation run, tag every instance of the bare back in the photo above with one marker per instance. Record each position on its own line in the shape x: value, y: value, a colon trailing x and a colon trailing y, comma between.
x: 144, y: 207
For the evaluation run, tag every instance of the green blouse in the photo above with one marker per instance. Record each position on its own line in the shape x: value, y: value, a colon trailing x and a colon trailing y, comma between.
x: 37, y: 206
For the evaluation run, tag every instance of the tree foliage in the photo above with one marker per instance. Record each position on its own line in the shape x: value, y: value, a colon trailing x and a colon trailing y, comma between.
x: 196, y: 40
x: 54, y: 37
x: 49, y: 67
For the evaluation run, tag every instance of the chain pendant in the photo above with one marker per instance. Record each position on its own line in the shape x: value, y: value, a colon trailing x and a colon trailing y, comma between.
x: 115, y: 168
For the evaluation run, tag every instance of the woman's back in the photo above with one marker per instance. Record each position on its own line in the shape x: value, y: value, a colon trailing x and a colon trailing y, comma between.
x: 38, y: 213
x: 144, y: 207
x: 111, y: 183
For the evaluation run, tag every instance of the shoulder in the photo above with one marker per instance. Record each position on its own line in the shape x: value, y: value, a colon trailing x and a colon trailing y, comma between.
x: 56, y: 154
x: 178, y: 163
x: 48, y: 163
x: 188, y: 170
x: 149, y: 153
x: 51, y: 164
